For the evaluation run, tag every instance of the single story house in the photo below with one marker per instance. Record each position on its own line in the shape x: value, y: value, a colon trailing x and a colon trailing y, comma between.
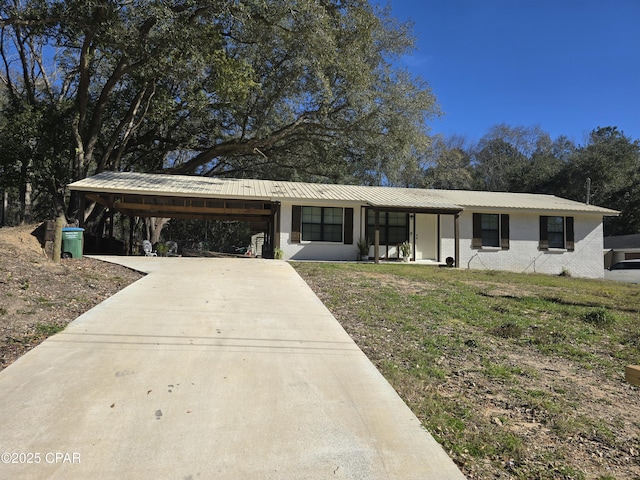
x: 481, y: 230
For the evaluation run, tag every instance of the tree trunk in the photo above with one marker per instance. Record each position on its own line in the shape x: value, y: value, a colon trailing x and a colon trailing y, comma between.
x: 154, y: 226
x: 24, y: 194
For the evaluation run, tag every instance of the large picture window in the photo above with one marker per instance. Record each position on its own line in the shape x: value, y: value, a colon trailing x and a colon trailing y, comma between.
x: 322, y: 224
x: 394, y: 227
x: 490, y: 230
x: 556, y: 232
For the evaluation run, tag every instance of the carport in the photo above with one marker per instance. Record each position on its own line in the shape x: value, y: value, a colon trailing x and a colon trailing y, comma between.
x: 172, y: 197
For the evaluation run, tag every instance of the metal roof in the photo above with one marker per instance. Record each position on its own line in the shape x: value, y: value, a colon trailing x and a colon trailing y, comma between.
x: 391, y: 197
x: 519, y: 201
x: 622, y: 242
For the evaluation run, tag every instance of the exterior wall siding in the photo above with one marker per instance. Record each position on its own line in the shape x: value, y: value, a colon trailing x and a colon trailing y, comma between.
x: 523, y: 254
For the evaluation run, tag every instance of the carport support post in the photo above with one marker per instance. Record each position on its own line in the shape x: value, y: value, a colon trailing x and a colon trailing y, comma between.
x: 81, y: 209
x: 376, y: 237
x: 131, y: 220
x: 276, y: 226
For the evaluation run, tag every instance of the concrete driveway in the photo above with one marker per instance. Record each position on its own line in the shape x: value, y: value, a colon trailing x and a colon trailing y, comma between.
x: 208, y: 369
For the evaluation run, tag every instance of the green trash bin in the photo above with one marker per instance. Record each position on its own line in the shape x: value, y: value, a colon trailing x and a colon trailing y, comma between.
x: 72, y: 242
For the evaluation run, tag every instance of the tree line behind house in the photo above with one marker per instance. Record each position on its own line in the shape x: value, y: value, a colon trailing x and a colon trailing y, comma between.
x: 300, y: 91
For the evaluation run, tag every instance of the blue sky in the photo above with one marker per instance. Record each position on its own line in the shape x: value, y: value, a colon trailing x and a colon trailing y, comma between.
x: 567, y: 66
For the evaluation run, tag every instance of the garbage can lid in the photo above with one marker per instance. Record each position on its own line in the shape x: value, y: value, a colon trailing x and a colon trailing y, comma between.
x: 73, y: 229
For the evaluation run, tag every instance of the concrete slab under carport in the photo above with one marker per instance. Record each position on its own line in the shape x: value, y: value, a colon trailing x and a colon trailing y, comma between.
x: 209, y: 368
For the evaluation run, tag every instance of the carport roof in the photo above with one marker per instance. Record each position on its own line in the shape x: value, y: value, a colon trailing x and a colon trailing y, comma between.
x: 622, y: 242
x: 269, y: 190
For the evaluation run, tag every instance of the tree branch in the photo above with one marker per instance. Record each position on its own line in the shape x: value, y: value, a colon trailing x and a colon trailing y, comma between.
x: 234, y: 147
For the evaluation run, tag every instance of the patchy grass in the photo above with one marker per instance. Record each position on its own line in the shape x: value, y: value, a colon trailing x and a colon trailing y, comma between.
x: 517, y: 376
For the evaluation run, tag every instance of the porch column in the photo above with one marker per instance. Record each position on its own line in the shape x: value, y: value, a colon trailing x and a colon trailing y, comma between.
x: 439, y: 238
x: 413, y: 243
x: 376, y: 237
x: 276, y: 226
x: 456, y: 234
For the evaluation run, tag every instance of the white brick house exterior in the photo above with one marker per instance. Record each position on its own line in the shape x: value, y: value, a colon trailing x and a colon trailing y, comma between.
x: 477, y: 230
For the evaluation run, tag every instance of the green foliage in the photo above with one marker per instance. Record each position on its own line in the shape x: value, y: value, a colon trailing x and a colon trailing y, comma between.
x: 526, y: 159
x: 363, y: 246
x: 565, y: 272
x: 612, y: 161
x: 298, y: 90
x: 162, y: 249
x: 449, y: 165
x: 508, y: 330
x: 48, y: 329
x: 599, y: 317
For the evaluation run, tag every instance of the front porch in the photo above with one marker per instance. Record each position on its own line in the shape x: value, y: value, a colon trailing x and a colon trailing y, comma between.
x: 424, y: 229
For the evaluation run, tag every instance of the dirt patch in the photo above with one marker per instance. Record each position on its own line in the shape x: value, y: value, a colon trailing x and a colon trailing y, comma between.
x: 39, y: 297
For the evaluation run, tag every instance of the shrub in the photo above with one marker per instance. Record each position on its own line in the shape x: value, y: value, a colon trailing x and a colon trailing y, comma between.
x: 565, y: 272
x: 508, y: 330
x: 599, y: 317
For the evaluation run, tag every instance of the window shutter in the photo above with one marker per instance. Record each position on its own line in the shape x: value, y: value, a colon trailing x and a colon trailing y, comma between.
x: 544, y: 234
x: 348, y: 226
x: 504, y: 231
x: 476, y: 242
x: 296, y: 222
x: 569, y: 243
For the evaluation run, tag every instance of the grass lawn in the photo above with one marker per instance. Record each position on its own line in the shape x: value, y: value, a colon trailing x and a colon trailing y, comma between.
x: 516, y: 375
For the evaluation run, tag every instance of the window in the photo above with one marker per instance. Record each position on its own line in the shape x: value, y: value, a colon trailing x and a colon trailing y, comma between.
x: 556, y: 232
x: 394, y: 227
x: 321, y: 224
x: 490, y: 230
